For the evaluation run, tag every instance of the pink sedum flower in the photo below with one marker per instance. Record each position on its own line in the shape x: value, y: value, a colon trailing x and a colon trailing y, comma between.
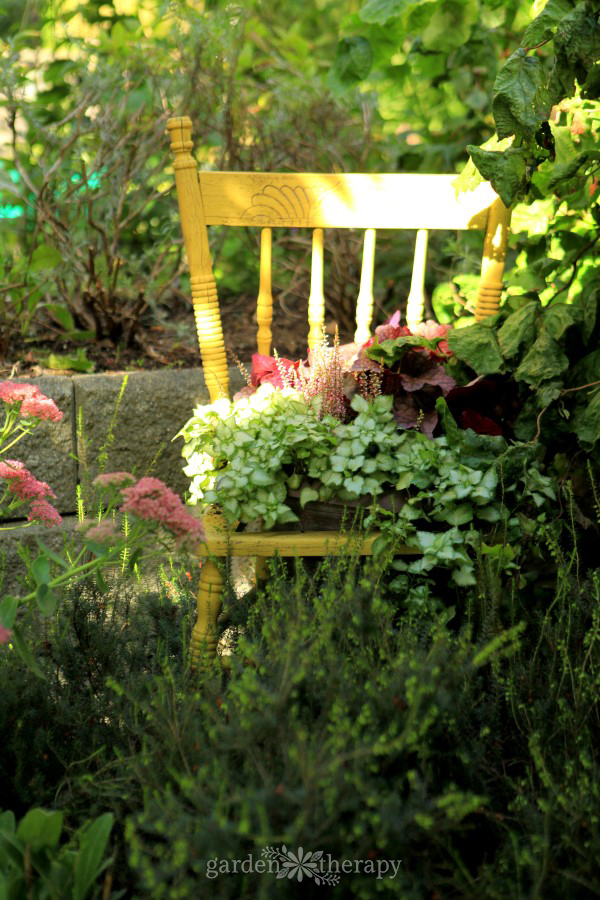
x: 114, y: 479
x: 103, y: 532
x: 33, y: 404
x: 43, y: 512
x: 5, y: 634
x: 22, y: 483
x: 153, y: 501
x: 41, y: 408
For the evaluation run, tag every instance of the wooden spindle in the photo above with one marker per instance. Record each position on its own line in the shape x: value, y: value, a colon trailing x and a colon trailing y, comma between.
x: 364, y: 303
x: 204, y: 289
x: 415, y: 305
x: 316, y: 300
x: 264, y: 304
x: 492, y: 264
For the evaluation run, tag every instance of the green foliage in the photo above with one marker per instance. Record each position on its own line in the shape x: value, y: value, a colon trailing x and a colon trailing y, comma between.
x: 50, y: 724
x: 32, y: 863
x: 436, y: 726
x: 243, y: 456
x: 84, y: 163
x: 552, y: 353
x: 524, y: 93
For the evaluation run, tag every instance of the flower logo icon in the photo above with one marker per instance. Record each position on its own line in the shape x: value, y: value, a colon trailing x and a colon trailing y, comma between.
x: 300, y: 864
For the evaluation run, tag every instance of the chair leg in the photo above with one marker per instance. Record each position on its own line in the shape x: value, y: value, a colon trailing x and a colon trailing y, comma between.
x: 260, y: 569
x: 203, y: 646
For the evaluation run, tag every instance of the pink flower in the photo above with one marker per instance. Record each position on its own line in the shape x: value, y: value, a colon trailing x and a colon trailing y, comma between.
x: 103, y: 532
x: 16, y: 392
x: 5, y: 634
x: 243, y: 393
x: 22, y: 483
x: 153, y: 501
x: 265, y: 369
x: 43, y: 512
x: 114, y: 479
x: 41, y: 408
x: 33, y: 404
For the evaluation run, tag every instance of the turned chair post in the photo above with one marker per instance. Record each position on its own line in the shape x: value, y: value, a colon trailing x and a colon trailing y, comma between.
x: 493, y: 261
x: 204, y: 288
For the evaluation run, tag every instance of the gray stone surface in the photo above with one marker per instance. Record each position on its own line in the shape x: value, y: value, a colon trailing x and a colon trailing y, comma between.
x: 154, y: 407
x: 12, y: 567
x: 47, y: 451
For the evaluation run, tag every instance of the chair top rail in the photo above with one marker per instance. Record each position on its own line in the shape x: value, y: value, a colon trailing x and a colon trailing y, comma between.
x: 306, y: 200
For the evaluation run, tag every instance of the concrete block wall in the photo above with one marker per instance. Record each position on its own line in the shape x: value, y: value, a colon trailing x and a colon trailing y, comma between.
x: 153, y: 408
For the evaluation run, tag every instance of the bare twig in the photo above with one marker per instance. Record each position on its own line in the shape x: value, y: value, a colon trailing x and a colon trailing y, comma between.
x: 580, y: 387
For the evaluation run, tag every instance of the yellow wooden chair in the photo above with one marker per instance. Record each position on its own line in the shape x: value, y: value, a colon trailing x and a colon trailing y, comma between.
x: 271, y: 200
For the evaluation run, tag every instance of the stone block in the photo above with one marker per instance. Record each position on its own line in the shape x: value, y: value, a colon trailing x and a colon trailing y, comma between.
x: 154, y: 407
x: 47, y: 451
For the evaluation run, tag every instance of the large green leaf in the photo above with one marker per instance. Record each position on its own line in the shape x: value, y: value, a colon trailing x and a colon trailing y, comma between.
x: 353, y: 60
x: 25, y: 653
x: 40, y: 568
x: 88, y: 864
x: 521, y: 100
x: 586, y: 424
x: 506, y: 170
x: 542, y: 27
x: 44, y: 257
x: 518, y: 329
x: 40, y: 828
x: 586, y: 370
x: 450, y: 25
x: 544, y: 361
x: 558, y: 318
x: 8, y: 610
x: 477, y: 345
x: 46, y: 600
x: 590, y: 301
x: 576, y: 51
x: 470, y: 177
x: 378, y: 12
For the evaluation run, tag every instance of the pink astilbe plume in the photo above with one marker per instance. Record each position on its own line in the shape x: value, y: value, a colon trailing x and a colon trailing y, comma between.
x: 33, y: 404
x: 43, y: 512
x: 153, y: 501
x: 22, y: 483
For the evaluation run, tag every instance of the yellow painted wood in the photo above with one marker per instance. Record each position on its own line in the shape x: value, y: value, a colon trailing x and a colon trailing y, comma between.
x: 276, y: 199
x: 364, y: 302
x: 494, y: 258
x: 204, y: 289
x: 415, y: 304
x: 264, y: 304
x: 316, y: 299
x: 313, y: 543
x: 205, y: 635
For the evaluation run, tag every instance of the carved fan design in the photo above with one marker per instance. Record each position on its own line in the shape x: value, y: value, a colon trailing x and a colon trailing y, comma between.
x: 294, y: 206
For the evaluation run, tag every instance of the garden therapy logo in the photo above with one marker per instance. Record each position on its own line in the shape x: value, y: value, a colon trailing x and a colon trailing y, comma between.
x: 300, y: 864
x: 284, y: 863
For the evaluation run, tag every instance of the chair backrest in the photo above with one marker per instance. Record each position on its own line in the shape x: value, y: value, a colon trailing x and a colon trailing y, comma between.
x: 270, y: 200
